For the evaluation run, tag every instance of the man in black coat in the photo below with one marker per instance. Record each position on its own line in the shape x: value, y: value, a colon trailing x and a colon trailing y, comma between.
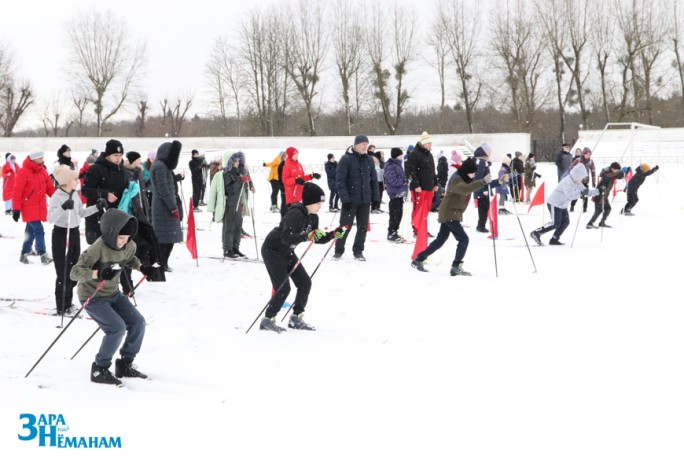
x: 107, y: 179
x: 357, y: 183
x: 197, y: 165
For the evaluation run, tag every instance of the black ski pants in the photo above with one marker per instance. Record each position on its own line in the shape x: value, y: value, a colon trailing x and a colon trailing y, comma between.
x: 64, y: 261
x: 396, y: 212
x: 279, y: 264
x: 351, y: 212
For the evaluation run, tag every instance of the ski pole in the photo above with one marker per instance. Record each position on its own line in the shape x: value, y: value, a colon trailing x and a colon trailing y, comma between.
x: 524, y: 237
x: 66, y: 263
x: 98, y: 328
x: 280, y: 287
x: 99, y: 287
x: 332, y: 244
x: 579, y: 217
x: 256, y: 246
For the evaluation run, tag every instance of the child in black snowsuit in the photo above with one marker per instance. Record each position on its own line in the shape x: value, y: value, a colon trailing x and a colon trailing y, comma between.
x: 299, y: 224
x: 640, y: 175
x: 601, y: 202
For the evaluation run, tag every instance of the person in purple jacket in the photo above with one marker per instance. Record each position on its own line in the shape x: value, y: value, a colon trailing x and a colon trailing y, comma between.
x: 397, y: 189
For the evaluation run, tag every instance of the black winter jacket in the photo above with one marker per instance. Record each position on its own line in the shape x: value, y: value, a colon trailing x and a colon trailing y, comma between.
x: 356, y: 180
x: 442, y: 171
x: 102, y: 178
x: 420, y: 169
x: 638, y: 178
x: 293, y: 229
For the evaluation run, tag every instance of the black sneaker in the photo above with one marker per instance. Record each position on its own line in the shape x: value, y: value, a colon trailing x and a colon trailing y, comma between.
x: 337, y: 256
x: 604, y: 225
x: 393, y: 237
x: 126, y: 368
x: 359, y: 257
x: 482, y: 230
x: 238, y: 253
x: 230, y: 254
x: 418, y: 265
x: 268, y: 324
x: 555, y: 241
x: 535, y: 236
x: 297, y: 322
x: 101, y: 374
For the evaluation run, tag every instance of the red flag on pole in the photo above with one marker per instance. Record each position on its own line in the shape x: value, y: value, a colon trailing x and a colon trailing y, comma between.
x: 538, y: 198
x: 420, y: 221
x: 493, y: 216
x: 191, y: 241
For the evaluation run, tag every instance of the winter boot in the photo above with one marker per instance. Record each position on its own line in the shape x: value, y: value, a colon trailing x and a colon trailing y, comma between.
x: 268, y: 324
x: 297, y: 322
x: 458, y: 270
x: 230, y: 254
x: 591, y: 226
x: 555, y: 241
x: 125, y: 368
x: 482, y: 229
x: 337, y: 256
x: 535, y: 235
x: 418, y: 265
x: 238, y: 253
x: 359, y: 257
x: 393, y: 237
x: 101, y: 374
x: 45, y: 259
x: 24, y: 258
x: 604, y: 225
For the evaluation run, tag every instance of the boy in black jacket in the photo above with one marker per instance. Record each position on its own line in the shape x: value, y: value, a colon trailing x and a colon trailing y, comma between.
x: 640, y: 175
x: 299, y: 224
x: 601, y: 202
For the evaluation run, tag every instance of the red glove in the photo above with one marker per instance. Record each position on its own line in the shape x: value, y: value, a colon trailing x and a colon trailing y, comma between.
x: 245, y: 179
x: 175, y: 214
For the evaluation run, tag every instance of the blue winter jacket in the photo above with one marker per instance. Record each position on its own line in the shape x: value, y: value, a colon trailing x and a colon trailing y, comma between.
x: 356, y: 180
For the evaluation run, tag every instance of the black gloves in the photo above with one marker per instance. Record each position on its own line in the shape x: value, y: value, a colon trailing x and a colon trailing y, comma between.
x: 68, y: 205
x: 107, y: 272
x: 315, y: 175
x: 153, y: 273
x: 265, y: 164
x: 656, y: 168
x: 299, y: 180
x: 15, y: 215
x: 101, y: 204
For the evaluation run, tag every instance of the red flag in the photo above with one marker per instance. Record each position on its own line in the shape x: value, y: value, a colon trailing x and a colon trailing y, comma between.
x: 538, y: 198
x: 493, y: 216
x: 191, y: 241
x: 521, y: 197
x: 420, y: 221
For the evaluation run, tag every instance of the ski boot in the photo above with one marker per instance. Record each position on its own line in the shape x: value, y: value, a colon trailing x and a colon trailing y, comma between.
x: 297, y: 322
x: 535, y: 235
x: 555, y: 241
x: 101, y: 374
x: 125, y: 368
x: 458, y: 270
x: 418, y: 265
x: 268, y: 324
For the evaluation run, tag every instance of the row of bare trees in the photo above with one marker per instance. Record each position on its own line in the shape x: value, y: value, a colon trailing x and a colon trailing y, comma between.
x: 605, y: 60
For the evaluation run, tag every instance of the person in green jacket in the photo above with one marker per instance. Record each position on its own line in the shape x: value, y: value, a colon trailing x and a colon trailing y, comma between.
x: 459, y: 188
x: 97, y: 273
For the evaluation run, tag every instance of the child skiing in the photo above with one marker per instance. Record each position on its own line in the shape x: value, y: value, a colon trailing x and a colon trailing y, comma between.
x: 569, y: 188
x: 456, y: 200
x: 640, y: 175
x: 299, y: 224
x: 100, y: 264
x: 65, y: 212
x: 601, y: 202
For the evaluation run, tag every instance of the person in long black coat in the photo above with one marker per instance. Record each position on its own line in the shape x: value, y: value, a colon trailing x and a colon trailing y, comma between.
x: 165, y: 210
x: 197, y: 165
x: 106, y: 179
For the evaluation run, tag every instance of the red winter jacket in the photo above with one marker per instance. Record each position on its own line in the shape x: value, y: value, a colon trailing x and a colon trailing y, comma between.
x: 81, y: 178
x: 291, y: 171
x: 8, y: 180
x: 31, y: 188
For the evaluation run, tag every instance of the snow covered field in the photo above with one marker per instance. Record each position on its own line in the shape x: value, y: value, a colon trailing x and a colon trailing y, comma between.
x: 582, y: 357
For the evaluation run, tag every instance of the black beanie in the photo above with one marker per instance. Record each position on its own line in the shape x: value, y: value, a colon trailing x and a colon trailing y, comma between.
x: 113, y: 147
x: 194, y: 152
x: 396, y: 152
x: 132, y: 156
x: 468, y: 166
x: 312, y: 194
x: 62, y: 149
x: 360, y: 139
x: 615, y: 165
x: 330, y: 156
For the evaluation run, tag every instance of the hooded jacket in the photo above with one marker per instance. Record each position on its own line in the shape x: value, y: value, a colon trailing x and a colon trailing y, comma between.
x: 395, y: 179
x: 291, y: 171
x: 8, y: 178
x: 457, y: 196
x: 166, y: 226
x: 102, y: 252
x: 568, y: 189
x: 30, y: 190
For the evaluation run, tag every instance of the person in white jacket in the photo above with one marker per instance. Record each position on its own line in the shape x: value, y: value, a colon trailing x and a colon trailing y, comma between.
x: 568, y: 189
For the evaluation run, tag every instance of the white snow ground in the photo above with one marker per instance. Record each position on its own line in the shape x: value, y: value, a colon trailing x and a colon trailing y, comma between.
x: 582, y: 357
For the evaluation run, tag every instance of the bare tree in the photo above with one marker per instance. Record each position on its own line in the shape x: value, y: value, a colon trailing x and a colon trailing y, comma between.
x: 395, y: 43
x: 519, y: 46
x: 174, y: 113
x: 603, y: 38
x: 265, y: 54
x: 576, y: 13
x: 80, y: 103
x: 348, y: 44
x: 141, y: 120
x: 6, y: 65
x: 104, y: 61
x: 226, y: 80
x: 437, y: 58
x: 652, y: 37
x: 461, y: 27
x: 15, y: 100
x: 677, y: 42
x: 309, y: 41
x: 53, y: 110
